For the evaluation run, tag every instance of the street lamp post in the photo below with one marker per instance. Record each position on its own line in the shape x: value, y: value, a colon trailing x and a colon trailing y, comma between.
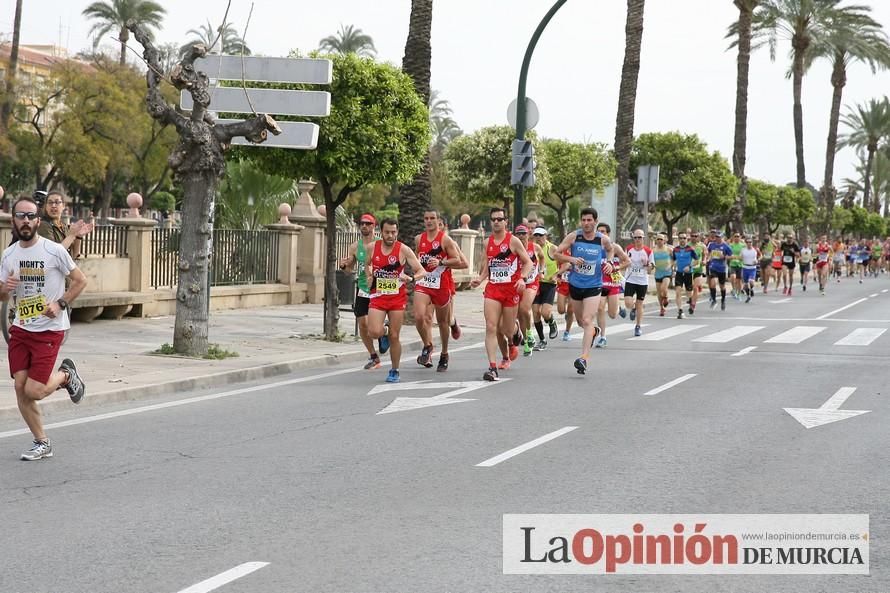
x: 520, y: 100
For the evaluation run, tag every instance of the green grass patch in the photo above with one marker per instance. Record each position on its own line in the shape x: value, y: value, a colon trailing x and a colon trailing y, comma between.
x: 214, y: 352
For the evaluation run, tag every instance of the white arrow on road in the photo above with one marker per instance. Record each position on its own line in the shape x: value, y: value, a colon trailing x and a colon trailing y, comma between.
x: 828, y: 412
x: 403, y: 404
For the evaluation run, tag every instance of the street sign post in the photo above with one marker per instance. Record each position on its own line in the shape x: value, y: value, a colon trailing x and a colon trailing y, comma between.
x: 532, y: 114
x: 606, y: 204
x: 647, y: 190
x: 300, y: 70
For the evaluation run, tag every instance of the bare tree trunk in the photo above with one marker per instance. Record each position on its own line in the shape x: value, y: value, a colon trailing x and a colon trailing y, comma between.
x: 797, y: 74
x: 627, y: 96
x: 190, y: 331
x: 746, y: 11
x: 9, y: 99
x: 838, y: 81
x: 331, y: 295
x: 866, y: 189
x: 124, y: 37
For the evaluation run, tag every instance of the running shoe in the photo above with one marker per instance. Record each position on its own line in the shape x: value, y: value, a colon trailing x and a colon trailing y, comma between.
x: 789, y: 291
x: 526, y: 349
x: 542, y: 345
x: 383, y: 341
x: 514, y: 352
x: 393, y: 376
x: 723, y: 304
x: 517, y: 336
x: 637, y: 331
x: 623, y: 312
x: 713, y: 304
x: 661, y: 313
x: 373, y: 363
x: 748, y: 299
x: 633, y: 313
x: 443, y: 363
x: 554, y: 329
x: 74, y: 386
x: 38, y: 450
x: 504, y: 364
x: 566, y: 336
x: 490, y: 375
x: 426, y: 357
x: 691, y: 310
x: 600, y: 342
x: 455, y: 330
x: 803, y: 287
x: 680, y: 314
x: 580, y: 366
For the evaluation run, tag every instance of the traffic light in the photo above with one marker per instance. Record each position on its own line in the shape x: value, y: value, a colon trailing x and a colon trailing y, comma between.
x: 523, y: 172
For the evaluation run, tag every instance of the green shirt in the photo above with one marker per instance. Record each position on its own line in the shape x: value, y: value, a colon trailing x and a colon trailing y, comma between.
x: 699, y: 267
x: 736, y: 262
x: 361, y: 260
x: 550, y: 265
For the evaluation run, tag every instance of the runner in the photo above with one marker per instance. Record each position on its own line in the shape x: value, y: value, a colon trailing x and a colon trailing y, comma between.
x: 877, y: 256
x: 806, y: 258
x: 387, y: 278
x: 749, y: 256
x: 542, y: 307
x: 862, y: 257
x: 588, y: 248
x: 506, y: 282
x: 33, y: 271
x: 698, y: 270
x: 735, y: 265
x: 767, y: 249
x: 684, y: 258
x: 358, y: 258
x: 439, y: 255
x: 777, y: 265
x: 838, y: 259
x: 532, y: 284
x: 637, y: 283
x: 790, y: 251
x: 823, y: 254
x: 563, y: 301
x: 613, y: 286
x: 718, y: 254
x: 661, y: 257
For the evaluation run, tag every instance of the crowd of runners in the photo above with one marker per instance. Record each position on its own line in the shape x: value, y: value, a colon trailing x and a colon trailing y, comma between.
x: 589, y: 278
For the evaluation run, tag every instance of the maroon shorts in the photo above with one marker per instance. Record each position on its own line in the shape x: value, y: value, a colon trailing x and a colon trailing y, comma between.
x: 562, y: 288
x: 34, y: 352
x: 505, y: 294
x: 396, y: 302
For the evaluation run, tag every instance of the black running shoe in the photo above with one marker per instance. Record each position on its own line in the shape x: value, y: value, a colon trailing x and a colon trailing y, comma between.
x: 490, y: 375
x: 426, y: 357
x: 74, y: 386
x: 443, y: 363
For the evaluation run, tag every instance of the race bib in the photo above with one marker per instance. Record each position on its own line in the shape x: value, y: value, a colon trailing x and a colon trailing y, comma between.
x: 533, y: 277
x: 788, y: 259
x: 500, y: 275
x: 30, y: 308
x: 636, y: 270
x: 363, y: 294
x: 433, y: 280
x: 585, y: 269
x: 387, y: 286
x: 717, y: 254
x: 823, y: 257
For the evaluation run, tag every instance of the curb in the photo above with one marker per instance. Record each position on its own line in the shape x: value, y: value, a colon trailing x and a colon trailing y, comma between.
x: 96, y: 400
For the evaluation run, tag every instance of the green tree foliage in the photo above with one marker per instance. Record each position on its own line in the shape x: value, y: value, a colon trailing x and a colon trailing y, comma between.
x: 162, y: 201
x: 692, y: 180
x: 868, y: 124
x: 377, y: 132
x: 575, y: 168
x: 226, y: 38
x: 249, y: 197
x: 349, y: 40
x: 773, y: 206
x: 479, y: 166
x: 113, y: 15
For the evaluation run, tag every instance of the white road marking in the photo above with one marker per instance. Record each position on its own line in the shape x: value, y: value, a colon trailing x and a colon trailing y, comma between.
x: 885, y: 290
x: 225, y: 578
x: 828, y: 412
x: 795, y: 335
x: 403, y: 404
x: 780, y: 301
x: 844, y: 308
x: 668, y: 333
x: 871, y: 296
x: 618, y: 328
x: 198, y: 399
x: 523, y: 448
x: 745, y: 351
x: 730, y: 334
x: 670, y: 384
x: 862, y: 336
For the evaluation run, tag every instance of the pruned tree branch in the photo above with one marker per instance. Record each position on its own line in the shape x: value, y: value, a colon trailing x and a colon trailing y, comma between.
x: 158, y: 108
x: 255, y: 129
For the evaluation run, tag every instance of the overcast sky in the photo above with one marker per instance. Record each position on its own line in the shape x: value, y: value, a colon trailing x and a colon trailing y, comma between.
x: 687, y: 78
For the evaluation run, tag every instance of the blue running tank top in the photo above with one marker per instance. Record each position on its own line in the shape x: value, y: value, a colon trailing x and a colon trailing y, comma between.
x: 590, y: 274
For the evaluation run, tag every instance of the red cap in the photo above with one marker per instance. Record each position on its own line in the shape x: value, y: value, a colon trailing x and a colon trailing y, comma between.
x: 368, y: 218
x: 521, y: 229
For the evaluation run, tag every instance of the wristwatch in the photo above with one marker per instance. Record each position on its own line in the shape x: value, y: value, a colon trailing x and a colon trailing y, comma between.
x: 63, y: 304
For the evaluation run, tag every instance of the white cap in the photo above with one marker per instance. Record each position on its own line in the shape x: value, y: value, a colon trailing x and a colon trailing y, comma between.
x: 539, y: 231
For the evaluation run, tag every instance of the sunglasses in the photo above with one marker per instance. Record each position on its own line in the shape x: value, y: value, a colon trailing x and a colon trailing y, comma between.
x: 498, y: 219
x: 24, y: 215
x: 682, y: 238
x: 54, y: 203
x: 638, y: 236
x: 365, y: 223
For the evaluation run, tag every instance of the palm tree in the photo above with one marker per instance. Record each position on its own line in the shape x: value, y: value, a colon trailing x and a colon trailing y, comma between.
x: 627, y: 98
x: 221, y: 40
x: 349, y: 40
x: 9, y: 94
x: 443, y: 128
x: 115, y: 14
x: 743, y: 40
x: 868, y: 125
x: 851, y: 35
x: 803, y: 22
x: 416, y: 196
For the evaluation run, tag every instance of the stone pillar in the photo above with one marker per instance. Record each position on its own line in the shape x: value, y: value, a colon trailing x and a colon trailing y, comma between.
x: 466, y: 240
x: 138, y: 251
x: 5, y: 229
x: 310, y: 243
x: 288, y: 256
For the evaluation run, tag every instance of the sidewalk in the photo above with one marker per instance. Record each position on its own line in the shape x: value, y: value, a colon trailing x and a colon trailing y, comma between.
x: 115, y: 357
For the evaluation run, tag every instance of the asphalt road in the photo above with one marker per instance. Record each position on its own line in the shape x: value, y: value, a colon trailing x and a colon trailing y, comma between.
x: 306, y: 475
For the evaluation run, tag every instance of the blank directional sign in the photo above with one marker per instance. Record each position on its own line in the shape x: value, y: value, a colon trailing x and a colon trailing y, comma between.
x: 271, y: 101
x: 294, y: 134
x: 296, y: 70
